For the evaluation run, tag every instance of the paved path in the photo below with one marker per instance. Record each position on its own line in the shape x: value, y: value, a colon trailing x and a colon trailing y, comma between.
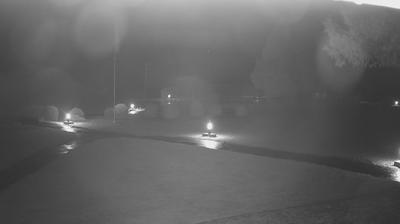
x: 42, y: 157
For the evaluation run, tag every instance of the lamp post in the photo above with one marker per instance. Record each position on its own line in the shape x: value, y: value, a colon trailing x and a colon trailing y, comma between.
x: 114, y: 78
x: 115, y: 64
x: 209, y: 133
x: 146, y: 71
x: 210, y: 126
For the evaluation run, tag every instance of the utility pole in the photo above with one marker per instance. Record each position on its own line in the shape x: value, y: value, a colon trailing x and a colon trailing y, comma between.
x: 115, y: 55
x: 146, y: 71
x: 115, y: 74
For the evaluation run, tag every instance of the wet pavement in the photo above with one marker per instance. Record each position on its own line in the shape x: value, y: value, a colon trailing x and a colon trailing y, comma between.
x: 45, y: 156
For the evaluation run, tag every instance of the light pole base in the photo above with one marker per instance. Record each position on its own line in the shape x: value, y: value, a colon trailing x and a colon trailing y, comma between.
x: 209, y: 134
x: 68, y: 122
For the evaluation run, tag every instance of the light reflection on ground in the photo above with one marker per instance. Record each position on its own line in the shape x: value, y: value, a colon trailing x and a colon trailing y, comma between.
x: 67, y: 128
x: 396, y: 173
x: 389, y: 164
x: 67, y: 148
x: 210, y: 142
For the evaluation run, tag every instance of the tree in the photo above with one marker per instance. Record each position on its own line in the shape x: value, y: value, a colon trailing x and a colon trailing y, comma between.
x: 363, y: 37
x: 286, y: 65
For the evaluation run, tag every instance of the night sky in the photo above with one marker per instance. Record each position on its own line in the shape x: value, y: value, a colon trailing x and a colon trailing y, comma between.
x: 60, y: 53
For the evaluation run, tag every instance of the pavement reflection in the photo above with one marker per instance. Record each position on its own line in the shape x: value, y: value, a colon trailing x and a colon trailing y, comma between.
x: 67, y: 148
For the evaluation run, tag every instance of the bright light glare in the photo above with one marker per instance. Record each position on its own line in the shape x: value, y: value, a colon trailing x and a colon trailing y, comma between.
x: 67, y: 128
x: 396, y: 103
x: 68, y: 116
x: 134, y: 110
x: 210, y: 144
x: 169, y: 96
x: 210, y: 126
x: 132, y: 105
x: 395, y: 173
x: 389, y: 164
x: 385, y: 3
x: 67, y: 148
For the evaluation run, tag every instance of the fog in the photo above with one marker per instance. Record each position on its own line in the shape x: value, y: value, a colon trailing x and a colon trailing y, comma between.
x: 61, y: 52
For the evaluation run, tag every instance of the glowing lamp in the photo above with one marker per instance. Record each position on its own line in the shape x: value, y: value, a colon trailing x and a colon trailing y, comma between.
x: 210, y: 126
x: 67, y: 120
x: 133, y: 109
x: 209, y: 133
x: 169, y: 96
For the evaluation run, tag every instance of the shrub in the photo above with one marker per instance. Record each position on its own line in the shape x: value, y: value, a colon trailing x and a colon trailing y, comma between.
x: 121, y: 111
x: 77, y: 114
x: 109, y: 113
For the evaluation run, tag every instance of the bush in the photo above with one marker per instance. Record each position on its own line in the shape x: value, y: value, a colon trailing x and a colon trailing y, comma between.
x: 77, y: 114
x: 121, y: 111
x: 109, y: 113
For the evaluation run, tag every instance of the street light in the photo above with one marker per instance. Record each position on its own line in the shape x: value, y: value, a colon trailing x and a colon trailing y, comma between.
x: 210, y: 126
x: 169, y: 98
x: 115, y: 65
x: 209, y: 133
x: 68, y: 120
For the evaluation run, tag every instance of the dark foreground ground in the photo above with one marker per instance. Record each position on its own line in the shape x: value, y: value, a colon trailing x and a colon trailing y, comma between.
x: 128, y: 175
x: 134, y: 180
